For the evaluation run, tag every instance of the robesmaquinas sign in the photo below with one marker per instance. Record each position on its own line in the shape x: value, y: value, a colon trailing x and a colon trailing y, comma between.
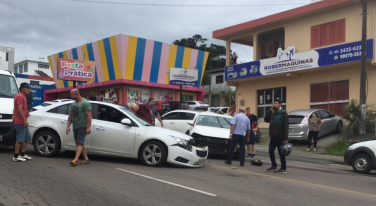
x: 289, y: 61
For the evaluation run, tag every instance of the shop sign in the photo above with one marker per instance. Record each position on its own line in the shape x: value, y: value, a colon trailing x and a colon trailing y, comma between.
x: 38, y: 94
x: 138, y: 95
x: 289, y: 61
x: 188, y: 77
x: 76, y: 70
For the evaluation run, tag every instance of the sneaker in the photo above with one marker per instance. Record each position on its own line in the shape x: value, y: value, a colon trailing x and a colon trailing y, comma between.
x: 249, y: 155
x: 74, y: 163
x: 85, y: 162
x: 19, y: 159
x: 253, y: 156
x: 26, y: 157
x: 282, y: 171
x: 272, y: 169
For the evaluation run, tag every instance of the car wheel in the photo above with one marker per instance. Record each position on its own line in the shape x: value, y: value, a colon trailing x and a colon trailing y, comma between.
x: 362, y: 163
x: 339, y: 127
x: 47, y: 144
x: 154, y: 154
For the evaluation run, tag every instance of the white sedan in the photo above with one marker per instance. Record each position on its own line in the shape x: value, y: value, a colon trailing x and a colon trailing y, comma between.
x: 115, y: 132
x: 206, y: 128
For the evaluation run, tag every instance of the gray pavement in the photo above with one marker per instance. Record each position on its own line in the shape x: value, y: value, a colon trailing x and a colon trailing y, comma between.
x: 121, y: 181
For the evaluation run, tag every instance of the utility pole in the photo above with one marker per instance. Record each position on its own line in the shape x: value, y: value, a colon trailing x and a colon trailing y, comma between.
x: 363, y: 71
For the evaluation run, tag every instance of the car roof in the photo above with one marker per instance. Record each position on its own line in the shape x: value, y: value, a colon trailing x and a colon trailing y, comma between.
x: 184, y: 110
x: 303, y: 111
x: 213, y: 114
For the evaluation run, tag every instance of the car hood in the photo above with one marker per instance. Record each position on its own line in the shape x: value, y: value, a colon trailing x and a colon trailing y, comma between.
x: 169, y: 132
x: 6, y: 105
x: 212, y: 132
x: 371, y: 144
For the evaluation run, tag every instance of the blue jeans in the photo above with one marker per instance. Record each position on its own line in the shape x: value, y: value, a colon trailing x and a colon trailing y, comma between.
x: 241, y: 141
x: 22, y: 133
x: 272, y: 145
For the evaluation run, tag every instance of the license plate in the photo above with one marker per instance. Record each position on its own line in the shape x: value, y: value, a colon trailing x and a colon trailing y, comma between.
x: 1, y: 138
x: 201, y: 162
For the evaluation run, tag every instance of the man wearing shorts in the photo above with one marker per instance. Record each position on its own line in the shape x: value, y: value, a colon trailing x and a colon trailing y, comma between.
x: 80, y: 117
x: 20, y: 115
x: 252, y: 143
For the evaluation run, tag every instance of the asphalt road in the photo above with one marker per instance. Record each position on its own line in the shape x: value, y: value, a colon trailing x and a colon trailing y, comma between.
x: 120, y: 181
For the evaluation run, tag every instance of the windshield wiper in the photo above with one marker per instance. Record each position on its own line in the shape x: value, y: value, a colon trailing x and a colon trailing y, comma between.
x: 5, y: 95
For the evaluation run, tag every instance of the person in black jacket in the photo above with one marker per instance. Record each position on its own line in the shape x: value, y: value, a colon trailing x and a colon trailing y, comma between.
x: 278, y: 131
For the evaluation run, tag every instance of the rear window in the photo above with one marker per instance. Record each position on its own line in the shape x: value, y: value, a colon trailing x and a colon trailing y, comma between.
x: 295, y: 119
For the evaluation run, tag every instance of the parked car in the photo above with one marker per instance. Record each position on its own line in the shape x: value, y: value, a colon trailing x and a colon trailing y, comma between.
x: 362, y: 156
x: 115, y: 132
x: 298, y: 123
x: 222, y: 110
x: 197, y: 104
x: 174, y: 105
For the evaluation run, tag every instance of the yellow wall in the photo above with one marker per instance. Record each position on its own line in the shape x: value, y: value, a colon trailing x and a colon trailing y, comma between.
x: 298, y: 88
x: 298, y: 30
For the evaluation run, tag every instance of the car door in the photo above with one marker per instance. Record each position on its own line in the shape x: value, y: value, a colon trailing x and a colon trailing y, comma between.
x: 169, y: 120
x: 62, y: 114
x: 181, y: 123
x: 109, y: 134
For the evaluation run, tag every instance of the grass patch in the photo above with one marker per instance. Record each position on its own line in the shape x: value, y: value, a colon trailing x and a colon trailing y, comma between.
x: 338, y: 149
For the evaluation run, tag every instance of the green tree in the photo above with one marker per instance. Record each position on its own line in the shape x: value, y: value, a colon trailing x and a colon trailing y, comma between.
x: 217, y: 53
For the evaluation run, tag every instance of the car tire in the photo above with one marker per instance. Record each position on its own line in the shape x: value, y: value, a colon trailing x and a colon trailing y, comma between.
x: 153, y: 154
x: 47, y: 144
x: 362, y: 163
x: 339, y: 127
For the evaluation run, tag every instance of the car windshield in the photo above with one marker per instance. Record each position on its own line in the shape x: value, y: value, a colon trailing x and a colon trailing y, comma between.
x: 201, y: 102
x: 214, y: 121
x: 135, y: 117
x: 295, y: 119
x: 8, y: 86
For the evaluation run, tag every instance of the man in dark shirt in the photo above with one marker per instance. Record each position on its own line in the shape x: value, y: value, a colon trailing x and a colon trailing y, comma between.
x: 251, y: 145
x: 143, y: 111
x: 154, y: 111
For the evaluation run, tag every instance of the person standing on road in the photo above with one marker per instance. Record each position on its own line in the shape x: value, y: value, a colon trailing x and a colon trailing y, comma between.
x: 278, y: 131
x: 240, y: 127
x: 252, y: 142
x: 154, y: 111
x: 20, y: 124
x: 314, y: 124
x: 80, y: 116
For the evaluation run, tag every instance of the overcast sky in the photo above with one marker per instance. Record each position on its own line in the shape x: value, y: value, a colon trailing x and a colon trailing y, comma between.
x: 38, y: 28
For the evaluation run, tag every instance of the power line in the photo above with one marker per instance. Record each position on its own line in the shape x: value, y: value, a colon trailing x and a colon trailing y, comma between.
x: 185, y: 5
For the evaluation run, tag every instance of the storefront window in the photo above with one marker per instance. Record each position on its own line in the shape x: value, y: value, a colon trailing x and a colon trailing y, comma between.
x: 138, y: 95
x: 266, y: 99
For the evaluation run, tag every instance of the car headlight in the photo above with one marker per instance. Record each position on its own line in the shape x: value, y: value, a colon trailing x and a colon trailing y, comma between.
x: 181, y: 142
x: 351, y: 147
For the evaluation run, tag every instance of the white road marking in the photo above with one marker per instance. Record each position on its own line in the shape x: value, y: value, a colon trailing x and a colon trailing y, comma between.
x: 166, y: 182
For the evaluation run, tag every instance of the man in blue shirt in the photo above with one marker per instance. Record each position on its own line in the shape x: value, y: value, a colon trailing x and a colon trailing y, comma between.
x: 240, y: 127
x: 155, y: 112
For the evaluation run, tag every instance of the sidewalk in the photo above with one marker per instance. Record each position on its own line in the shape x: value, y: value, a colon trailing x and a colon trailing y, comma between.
x: 312, y: 155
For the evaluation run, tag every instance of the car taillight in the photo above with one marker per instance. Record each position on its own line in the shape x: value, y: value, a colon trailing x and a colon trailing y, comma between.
x: 305, y: 119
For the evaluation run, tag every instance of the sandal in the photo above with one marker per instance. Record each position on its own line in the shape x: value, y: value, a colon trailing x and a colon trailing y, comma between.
x: 308, y: 150
x: 85, y: 162
x: 74, y: 163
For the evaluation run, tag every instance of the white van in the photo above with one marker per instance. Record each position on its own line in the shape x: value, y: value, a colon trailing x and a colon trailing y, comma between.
x: 8, y: 90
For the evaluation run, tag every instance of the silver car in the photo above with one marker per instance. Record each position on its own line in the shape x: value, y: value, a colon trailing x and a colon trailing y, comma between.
x: 298, y: 120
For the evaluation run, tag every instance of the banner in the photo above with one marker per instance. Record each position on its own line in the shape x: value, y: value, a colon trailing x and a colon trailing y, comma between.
x: 179, y: 76
x: 138, y: 95
x: 110, y: 95
x: 163, y: 95
x: 76, y: 70
x: 289, y: 61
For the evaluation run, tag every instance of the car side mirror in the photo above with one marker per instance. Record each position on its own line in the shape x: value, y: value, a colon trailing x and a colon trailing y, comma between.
x: 126, y: 121
x: 190, y: 123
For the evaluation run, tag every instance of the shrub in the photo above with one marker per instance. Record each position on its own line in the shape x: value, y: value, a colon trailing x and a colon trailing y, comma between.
x: 352, y: 116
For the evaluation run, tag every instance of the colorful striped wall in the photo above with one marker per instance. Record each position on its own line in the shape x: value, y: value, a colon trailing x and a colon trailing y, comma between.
x: 132, y: 58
